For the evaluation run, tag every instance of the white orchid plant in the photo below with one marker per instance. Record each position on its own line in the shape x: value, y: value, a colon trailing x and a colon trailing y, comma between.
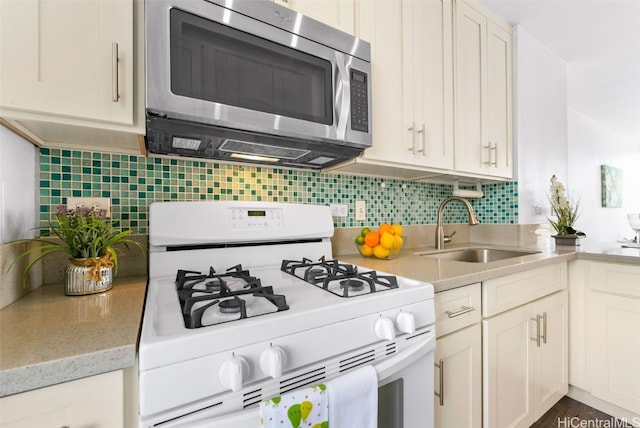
x: 565, y: 211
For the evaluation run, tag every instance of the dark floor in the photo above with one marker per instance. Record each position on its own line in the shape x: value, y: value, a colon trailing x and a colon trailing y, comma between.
x: 569, y: 413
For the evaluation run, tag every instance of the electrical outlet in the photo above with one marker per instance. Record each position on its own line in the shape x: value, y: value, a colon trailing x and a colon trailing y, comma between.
x: 90, y: 202
x: 361, y: 211
x: 339, y: 210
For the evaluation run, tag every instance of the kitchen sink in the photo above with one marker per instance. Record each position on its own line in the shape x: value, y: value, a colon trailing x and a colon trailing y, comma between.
x: 478, y: 255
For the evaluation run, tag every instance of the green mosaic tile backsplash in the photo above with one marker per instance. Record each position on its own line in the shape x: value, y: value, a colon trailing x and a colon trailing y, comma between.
x: 133, y: 182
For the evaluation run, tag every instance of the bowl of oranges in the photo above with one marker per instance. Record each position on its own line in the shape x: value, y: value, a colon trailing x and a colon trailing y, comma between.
x: 384, y: 243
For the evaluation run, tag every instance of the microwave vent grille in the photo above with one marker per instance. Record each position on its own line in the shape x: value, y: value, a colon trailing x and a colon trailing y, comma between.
x: 258, y: 149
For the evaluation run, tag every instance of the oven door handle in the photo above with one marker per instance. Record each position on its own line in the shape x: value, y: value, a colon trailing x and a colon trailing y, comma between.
x: 407, y: 357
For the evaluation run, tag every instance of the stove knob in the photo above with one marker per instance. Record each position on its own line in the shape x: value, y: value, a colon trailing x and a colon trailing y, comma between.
x: 232, y: 372
x: 406, y: 323
x: 385, y: 329
x: 272, y: 361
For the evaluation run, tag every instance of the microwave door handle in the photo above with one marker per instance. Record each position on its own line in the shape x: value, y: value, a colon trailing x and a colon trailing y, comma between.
x: 343, y: 96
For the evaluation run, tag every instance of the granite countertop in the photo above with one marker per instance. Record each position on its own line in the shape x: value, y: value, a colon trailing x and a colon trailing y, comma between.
x: 48, y: 338
x: 447, y: 274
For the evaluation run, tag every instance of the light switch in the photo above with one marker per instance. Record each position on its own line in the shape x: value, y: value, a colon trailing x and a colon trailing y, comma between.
x: 361, y: 211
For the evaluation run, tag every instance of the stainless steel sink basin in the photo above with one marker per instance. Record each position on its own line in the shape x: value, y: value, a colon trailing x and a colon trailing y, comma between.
x: 478, y: 255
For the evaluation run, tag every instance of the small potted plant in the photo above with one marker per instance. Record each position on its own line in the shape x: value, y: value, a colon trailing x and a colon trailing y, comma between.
x: 566, y: 214
x: 89, y: 238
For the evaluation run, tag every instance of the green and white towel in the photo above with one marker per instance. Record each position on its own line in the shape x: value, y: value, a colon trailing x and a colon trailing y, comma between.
x: 349, y: 401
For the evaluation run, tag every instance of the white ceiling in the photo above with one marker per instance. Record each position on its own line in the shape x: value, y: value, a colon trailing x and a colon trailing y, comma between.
x: 600, y: 42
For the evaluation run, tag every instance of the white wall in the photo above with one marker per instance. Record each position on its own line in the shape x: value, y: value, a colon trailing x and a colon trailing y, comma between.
x: 590, y: 146
x: 19, y: 199
x: 540, y: 123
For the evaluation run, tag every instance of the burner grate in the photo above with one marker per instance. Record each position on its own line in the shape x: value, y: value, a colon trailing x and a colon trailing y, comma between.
x: 226, y: 292
x: 341, y: 279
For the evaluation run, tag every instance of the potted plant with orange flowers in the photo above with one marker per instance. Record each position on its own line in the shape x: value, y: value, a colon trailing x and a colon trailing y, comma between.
x: 89, y: 238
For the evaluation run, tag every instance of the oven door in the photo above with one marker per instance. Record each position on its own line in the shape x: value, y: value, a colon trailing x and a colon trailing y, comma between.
x: 404, y: 394
x: 210, y: 64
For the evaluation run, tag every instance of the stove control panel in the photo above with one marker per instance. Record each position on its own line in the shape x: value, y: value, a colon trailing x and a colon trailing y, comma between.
x: 262, y: 218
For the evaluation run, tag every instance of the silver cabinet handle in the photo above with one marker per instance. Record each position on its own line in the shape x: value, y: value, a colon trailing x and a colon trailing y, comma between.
x: 544, y: 327
x: 464, y: 310
x: 495, y: 154
x: 421, y: 131
x: 440, y: 394
x: 492, y: 148
x: 413, y: 137
x: 114, y: 72
x: 537, y: 338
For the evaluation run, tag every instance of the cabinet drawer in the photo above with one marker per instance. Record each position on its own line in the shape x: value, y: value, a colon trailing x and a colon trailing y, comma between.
x: 614, y: 278
x: 501, y: 294
x: 95, y: 401
x: 457, y: 308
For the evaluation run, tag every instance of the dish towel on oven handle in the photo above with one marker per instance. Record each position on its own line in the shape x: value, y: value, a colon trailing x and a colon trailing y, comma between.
x: 302, y: 408
x: 353, y: 399
x: 349, y: 401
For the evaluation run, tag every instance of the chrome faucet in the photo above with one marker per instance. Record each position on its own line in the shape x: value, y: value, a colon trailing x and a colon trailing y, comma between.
x: 473, y: 219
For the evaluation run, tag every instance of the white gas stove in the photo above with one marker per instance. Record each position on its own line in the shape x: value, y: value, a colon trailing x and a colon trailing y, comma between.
x: 245, y: 302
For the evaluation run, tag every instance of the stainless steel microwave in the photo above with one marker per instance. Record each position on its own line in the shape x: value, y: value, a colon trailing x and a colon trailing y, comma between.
x: 252, y: 81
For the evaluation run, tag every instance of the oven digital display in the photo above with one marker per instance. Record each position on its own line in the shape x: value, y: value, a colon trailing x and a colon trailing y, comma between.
x: 256, y: 213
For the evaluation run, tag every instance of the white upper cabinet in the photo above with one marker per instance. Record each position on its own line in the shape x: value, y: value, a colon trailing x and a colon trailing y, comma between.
x: 72, y: 73
x: 483, y: 91
x: 412, y: 87
x: 336, y: 13
x: 68, y: 58
x: 427, y: 75
x: 441, y: 73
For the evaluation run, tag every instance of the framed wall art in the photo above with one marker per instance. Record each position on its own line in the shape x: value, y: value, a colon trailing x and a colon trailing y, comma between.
x: 611, y: 186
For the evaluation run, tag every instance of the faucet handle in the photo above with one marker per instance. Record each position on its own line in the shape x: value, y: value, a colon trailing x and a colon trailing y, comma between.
x: 447, y: 239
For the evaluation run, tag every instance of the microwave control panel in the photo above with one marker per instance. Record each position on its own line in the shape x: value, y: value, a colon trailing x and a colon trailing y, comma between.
x: 359, y: 101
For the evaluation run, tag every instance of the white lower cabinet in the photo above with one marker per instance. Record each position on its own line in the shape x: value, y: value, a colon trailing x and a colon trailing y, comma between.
x: 525, y: 361
x: 524, y: 345
x: 458, y: 379
x: 614, y: 334
x: 458, y: 370
x: 95, y: 402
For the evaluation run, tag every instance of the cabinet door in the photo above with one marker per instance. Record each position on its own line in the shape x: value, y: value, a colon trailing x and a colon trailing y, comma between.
x: 483, y: 117
x: 499, y: 114
x: 68, y: 58
x: 458, y: 378
x: 615, y: 349
x: 336, y: 13
x: 381, y: 24
x: 508, y: 369
x: 551, y: 357
x: 470, y: 90
x: 428, y: 77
